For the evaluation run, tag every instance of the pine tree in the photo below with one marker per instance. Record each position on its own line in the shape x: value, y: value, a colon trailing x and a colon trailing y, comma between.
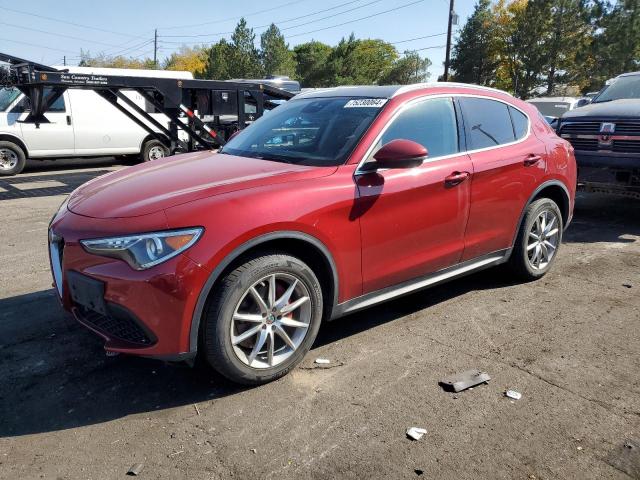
x: 474, y: 54
x: 277, y: 59
x: 245, y: 58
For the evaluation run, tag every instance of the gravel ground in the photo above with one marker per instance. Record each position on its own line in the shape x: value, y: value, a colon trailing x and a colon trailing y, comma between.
x: 569, y: 342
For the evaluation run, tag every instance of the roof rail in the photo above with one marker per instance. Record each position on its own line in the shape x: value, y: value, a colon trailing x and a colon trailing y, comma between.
x: 415, y: 86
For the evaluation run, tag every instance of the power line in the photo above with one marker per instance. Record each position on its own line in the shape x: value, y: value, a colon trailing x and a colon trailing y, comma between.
x: 133, y: 48
x: 317, y: 30
x: 418, y: 38
x: 58, y: 34
x: 233, y: 18
x: 284, y: 21
x: 34, y: 45
x: 68, y: 23
x: 357, y: 19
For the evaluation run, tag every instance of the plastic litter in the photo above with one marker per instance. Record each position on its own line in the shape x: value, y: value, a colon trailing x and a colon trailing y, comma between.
x: 513, y: 394
x: 416, y: 433
x: 135, y: 469
x: 322, y: 361
x: 464, y: 380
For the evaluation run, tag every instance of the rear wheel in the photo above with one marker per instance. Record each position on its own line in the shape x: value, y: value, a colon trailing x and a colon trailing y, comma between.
x: 263, y: 319
x: 12, y: 159
x: 154, y: 150
x: 538, y: 240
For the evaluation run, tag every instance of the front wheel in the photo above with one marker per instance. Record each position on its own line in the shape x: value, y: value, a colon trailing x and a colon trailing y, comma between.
x: 263, y: 319
x: 538, y: 241
x: 12, y: 159
x: 154, y: 150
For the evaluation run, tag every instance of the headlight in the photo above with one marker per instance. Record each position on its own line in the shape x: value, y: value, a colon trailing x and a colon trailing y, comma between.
x: 61, y: 209
x: 146, y: 249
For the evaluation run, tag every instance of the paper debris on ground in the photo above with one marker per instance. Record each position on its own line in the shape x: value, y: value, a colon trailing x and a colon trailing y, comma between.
x: 464, y: 380
x: 322, y: 361
x: 513, y: 394
x: 416, y: 433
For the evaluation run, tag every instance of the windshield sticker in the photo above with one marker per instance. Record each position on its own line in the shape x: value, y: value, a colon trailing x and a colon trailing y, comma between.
x: 366, y: 103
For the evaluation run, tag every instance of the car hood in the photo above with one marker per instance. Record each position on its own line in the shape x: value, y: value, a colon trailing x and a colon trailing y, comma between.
x: 614, y: 110
x: 157, y: 185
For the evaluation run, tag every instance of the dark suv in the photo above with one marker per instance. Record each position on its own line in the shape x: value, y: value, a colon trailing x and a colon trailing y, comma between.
x: 606, y: 138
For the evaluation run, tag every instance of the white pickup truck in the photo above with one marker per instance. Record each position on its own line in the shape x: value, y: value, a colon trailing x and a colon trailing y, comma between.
x: 81, y: 124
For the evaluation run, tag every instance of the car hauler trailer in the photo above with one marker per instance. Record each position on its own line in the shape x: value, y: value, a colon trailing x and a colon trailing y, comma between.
x: 205, y: 112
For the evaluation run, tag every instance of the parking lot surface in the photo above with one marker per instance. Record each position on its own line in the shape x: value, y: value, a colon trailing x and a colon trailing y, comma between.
x: 570, y: 343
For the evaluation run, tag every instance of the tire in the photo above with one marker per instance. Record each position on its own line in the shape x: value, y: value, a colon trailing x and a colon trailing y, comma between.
x: 12, y: 159
x: 153, y: 150
x: 528, y: 261
x: 233, y: 297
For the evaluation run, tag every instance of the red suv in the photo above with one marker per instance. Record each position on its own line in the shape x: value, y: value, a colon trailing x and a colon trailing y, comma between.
x: 333, y: 202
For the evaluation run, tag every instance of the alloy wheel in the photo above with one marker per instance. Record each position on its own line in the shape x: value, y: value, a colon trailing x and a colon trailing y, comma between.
x: 543, y: 239
x: 8, y: 159
x: 271, y: 320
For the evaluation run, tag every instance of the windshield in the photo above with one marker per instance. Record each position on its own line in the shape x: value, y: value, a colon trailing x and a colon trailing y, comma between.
x: 7, y: 97
x: 552, y: 109
x: 622, y: 87
x: 314, y: 131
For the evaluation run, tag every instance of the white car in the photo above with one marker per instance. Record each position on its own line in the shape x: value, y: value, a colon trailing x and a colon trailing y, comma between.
x: 81, y: 124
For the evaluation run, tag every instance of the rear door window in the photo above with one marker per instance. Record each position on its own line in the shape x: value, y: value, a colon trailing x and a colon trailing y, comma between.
x: 487, y: 122
x: 431, y: 123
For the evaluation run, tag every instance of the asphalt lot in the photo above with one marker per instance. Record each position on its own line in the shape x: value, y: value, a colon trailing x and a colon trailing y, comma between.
x: 569, y: 342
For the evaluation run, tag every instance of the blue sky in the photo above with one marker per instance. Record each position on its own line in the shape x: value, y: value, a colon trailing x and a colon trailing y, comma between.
x: 126, y: 26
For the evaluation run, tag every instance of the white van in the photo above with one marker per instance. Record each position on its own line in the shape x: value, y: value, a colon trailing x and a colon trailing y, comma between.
x: 81, y: 124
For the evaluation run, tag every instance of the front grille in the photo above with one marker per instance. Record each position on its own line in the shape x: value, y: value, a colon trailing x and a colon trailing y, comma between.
x: 627, y: 128
x: 116, y: 325
x: 580, y: 128
x: 588, y: 144
x: 626, y: 146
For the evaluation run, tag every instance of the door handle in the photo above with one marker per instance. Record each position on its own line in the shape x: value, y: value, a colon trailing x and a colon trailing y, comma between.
x: 531, y: 160
x: 456, y: 178
x: 68, y: 119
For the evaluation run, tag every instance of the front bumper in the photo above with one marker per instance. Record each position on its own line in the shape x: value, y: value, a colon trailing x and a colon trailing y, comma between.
x: 608, y: 173
x: 146, y: 312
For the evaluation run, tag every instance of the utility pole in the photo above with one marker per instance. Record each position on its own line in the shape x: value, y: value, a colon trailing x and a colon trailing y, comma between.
x: 445, y: 77
x: 64, y: 60
x: 155, y: 46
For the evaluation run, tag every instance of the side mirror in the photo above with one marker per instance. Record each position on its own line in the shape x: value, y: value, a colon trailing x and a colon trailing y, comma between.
x: 400, y: 154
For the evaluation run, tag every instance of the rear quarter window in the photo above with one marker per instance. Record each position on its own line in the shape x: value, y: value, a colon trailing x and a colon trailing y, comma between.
x: 520, y: 123
x: 487, y: 122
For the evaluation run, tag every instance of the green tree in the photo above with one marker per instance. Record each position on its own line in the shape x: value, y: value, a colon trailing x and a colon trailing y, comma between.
x: 277, y: 59
x: 245, y: 57
x: 311, y: 64
x: 522, y: 30
x: 409, y: 69
x: 616, y: 47
x: 568, y: 45
x: 360, y: 62
x: 218, y: 61
x: 474, y: 57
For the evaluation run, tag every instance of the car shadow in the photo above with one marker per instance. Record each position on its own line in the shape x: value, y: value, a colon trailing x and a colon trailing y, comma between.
x: 604, y: 218
x: 56, y: 374
x: 45, y: 185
